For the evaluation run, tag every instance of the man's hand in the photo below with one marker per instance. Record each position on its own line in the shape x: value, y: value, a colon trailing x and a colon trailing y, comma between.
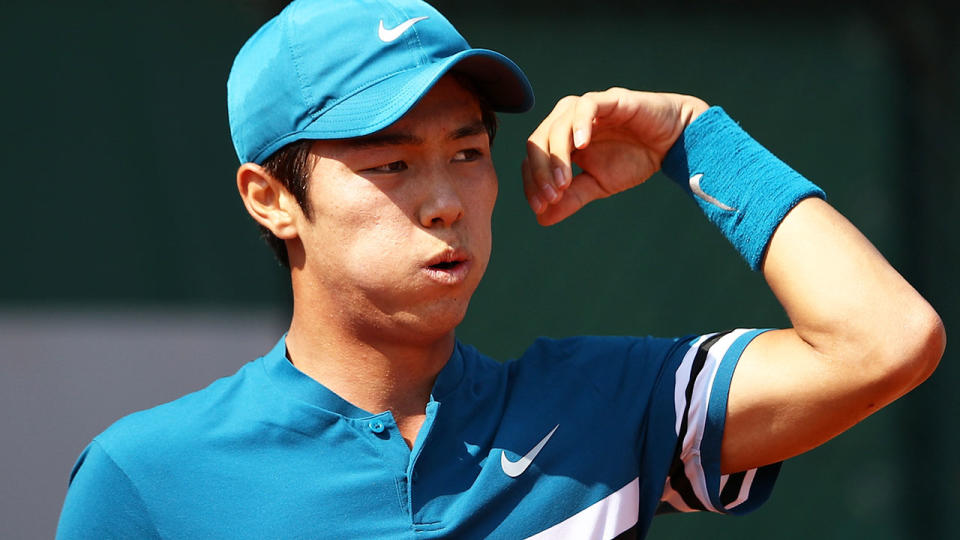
x: 618, y: 137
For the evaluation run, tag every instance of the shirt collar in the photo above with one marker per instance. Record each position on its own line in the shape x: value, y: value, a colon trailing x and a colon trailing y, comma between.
x: 297, y: 384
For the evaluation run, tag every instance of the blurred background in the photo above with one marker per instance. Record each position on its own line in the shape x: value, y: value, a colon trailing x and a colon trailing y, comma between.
x: 132, y: 273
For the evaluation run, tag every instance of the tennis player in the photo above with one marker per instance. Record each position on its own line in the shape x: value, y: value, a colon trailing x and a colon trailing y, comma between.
x: 363, y: 129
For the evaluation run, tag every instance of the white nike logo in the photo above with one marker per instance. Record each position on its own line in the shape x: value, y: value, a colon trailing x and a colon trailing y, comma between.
x: 514, y: 469
x: 392, y: 34
x: 698, y: 191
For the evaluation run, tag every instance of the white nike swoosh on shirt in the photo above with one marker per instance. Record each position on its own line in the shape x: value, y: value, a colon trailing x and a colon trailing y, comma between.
x: 514, y: 469
x: 698, y: 191
x: 392, y: 34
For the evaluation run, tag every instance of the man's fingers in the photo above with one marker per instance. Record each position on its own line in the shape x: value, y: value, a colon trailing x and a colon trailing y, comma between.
x: 548, y: 182
x: 539, y: 175
x: 561, y: 145
x: 614, y: 107
x: 548, y: 154
x: 583, y: 189
x: 530, y: 188
x: 584, y: 115
x: 548, y: 171
x: 617, y: 136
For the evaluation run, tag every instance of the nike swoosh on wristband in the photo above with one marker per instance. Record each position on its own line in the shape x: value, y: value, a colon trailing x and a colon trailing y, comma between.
x: 514, y: 469
x: 698, y: 191
x: 392, y: 34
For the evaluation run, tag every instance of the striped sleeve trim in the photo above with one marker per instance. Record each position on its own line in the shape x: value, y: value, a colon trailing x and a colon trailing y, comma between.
x: 702, y: 383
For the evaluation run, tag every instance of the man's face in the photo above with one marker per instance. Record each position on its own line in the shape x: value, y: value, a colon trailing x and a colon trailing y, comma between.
x: 400, y: 229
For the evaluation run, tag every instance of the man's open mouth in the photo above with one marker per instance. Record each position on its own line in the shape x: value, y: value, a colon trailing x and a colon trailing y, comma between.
x: 448, y: 265
x: 448, y: 260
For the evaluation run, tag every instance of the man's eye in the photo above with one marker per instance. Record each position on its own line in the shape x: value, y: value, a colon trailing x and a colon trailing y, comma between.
x: 393, y: 166
x: 470, y: 154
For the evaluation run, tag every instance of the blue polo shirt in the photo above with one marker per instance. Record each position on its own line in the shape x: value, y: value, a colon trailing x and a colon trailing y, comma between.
x: 586, y: 437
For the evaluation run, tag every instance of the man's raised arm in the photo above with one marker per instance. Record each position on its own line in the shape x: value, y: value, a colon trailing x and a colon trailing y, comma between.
x: 861, y: 336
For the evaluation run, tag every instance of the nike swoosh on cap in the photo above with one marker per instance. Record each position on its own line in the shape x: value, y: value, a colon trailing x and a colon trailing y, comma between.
x: 698, y: 191
x: 514, y: 469
x: 388, y: 35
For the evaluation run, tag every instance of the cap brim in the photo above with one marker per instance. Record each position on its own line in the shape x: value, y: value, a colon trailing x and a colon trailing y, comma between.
x: 502, y: 83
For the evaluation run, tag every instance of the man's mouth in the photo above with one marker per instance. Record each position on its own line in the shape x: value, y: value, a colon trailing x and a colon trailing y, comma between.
x: 449, y: 267
x: 448, y: 260
x: 446, y: 265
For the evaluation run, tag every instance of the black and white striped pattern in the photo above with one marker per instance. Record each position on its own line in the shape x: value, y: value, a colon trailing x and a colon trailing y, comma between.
x: 686, y: 485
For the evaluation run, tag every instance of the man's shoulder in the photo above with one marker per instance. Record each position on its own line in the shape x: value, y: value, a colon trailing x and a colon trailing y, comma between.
x: 572, y: 356
x: 184, y: 422
x: 587, y: 350
x: 615, y: 367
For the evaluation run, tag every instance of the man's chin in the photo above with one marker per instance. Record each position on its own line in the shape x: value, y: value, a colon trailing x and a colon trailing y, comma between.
x: 433, y: 324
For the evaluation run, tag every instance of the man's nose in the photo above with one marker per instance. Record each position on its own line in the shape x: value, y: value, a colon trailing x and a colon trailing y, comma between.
x: 443, y: 205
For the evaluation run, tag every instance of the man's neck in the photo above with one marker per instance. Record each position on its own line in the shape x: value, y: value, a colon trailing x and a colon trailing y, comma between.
x: 374, y: 376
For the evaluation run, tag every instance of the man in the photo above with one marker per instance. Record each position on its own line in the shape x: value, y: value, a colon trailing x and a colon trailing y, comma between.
x: 364, y: 132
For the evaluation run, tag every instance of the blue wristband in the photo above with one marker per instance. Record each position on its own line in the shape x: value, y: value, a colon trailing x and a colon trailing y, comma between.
x: 742, y: 188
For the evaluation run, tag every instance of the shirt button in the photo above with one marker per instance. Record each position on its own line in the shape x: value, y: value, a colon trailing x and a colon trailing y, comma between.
x: 376, y: 426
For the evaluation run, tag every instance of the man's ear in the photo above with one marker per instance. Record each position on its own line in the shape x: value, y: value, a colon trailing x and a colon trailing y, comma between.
x: 268, y: 201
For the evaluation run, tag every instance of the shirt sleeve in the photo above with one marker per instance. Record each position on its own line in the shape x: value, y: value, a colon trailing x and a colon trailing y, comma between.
x: 700, y: 388
x: 102, y: 502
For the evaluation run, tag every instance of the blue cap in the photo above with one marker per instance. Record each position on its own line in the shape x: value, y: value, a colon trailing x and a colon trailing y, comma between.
x: 334, y: 69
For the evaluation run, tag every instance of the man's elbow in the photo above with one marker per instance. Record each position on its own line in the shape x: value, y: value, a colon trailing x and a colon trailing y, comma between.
x: 921, y: 345
x: 936, y: 343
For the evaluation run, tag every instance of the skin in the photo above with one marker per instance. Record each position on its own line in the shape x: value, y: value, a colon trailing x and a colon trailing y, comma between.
x: 371, y: 319
x: 861, y: 336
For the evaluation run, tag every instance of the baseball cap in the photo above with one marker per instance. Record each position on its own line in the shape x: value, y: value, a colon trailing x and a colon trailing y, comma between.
x: 335, y: 69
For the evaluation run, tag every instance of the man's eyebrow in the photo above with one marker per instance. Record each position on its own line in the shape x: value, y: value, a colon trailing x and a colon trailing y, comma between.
x: 476, y: 128
x: 384, y: 139
x: 404, y: 138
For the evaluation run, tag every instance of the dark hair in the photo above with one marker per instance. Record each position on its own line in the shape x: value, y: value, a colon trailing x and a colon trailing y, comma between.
x: 291, y: 166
